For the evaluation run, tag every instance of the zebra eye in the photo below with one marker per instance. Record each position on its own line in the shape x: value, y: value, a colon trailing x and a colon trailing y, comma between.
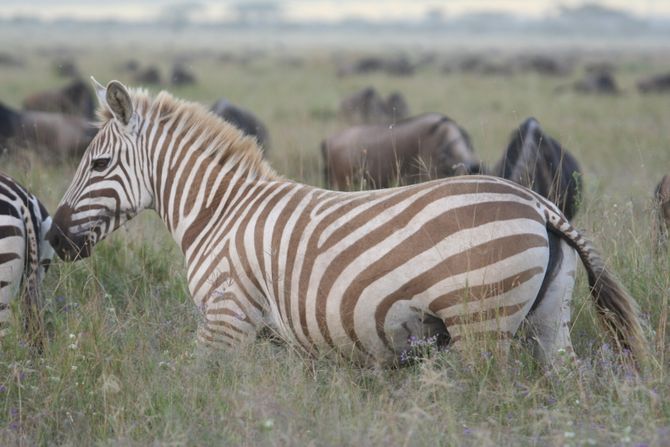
x: 99, y: 164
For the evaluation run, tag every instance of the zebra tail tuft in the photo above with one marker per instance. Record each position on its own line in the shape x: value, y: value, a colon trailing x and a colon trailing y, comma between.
x: 617, y: 309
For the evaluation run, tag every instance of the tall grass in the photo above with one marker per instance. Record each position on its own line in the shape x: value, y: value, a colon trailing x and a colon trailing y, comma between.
x: 122, y: 367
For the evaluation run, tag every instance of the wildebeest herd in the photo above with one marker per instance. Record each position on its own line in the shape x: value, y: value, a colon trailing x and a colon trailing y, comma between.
x: 385, y: 148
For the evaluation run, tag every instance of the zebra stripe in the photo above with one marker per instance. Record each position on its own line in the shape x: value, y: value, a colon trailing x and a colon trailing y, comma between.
x: 24, y: 253
x: 355, y: 273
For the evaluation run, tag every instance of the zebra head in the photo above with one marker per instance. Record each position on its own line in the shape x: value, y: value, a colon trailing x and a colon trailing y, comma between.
x: 110, y: 184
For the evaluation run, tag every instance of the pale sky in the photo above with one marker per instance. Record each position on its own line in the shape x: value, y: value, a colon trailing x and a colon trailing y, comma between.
x: 315, y: 9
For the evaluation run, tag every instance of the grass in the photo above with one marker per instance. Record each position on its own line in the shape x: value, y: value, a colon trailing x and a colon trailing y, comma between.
x: 123, y: 369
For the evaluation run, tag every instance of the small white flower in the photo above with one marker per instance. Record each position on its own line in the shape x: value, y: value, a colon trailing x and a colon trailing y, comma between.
x: 72, y: 336
x: 74, y: 367
x: 73, y: 346
x: 569, y: 434
x: 268, y: 424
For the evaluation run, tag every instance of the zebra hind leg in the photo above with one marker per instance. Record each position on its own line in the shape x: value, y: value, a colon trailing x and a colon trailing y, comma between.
x: 550, y: 318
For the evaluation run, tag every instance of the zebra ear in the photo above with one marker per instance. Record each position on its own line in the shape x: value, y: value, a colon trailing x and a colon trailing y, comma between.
x: 119, y: 102
x: 100, y: 92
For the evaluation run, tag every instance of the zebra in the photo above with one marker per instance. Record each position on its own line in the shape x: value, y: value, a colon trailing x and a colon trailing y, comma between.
x: 356, y: 274
x: 25, y: 255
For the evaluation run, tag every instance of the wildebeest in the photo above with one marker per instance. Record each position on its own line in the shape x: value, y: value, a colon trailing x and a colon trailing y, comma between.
x: 181, y: 75
x: 545, y: 65
x: 367, y: 106
x: 398, y: 66
x: 149, y: 75
x: 76, y: 98
x: 662, y: 211
x: 244, y: 120
x: 655, y: 84
x: 601, y: 82
x: 537, y: 161
x: 66, y: 68
x: 9, y: 60
x: 416, y: 149
x: 51, y: 135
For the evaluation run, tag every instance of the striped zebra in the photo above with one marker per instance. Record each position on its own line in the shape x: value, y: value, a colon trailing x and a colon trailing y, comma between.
x: 354, y: 273
x: 24, y: 254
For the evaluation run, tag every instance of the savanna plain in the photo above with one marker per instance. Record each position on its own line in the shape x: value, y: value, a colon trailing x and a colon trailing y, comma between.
x: 122, y: 366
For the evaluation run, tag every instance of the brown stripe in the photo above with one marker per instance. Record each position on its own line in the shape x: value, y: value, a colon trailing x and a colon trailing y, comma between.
x: 474, y: 258
x: 184, y: 166
x: 483, y: 291
x: 223, y: 324
x: 279, y: 227
x: 214, y: 341
x: 484, y: 315
x: 259, y: 233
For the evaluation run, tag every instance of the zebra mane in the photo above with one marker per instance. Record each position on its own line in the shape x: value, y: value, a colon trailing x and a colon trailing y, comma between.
x: 219, y: 136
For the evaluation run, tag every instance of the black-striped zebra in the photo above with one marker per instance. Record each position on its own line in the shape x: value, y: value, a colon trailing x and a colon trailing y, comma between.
x: 24, y: 254
x: 354, y: 273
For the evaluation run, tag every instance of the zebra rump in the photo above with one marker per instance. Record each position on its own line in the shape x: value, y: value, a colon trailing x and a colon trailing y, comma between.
x: 24, y: 256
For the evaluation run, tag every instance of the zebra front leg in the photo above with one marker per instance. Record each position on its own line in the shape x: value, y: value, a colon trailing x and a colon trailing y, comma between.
x: 225, y: 323
x: 550, y: 321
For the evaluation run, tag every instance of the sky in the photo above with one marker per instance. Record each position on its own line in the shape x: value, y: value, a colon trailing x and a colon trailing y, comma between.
x: 327, y: 10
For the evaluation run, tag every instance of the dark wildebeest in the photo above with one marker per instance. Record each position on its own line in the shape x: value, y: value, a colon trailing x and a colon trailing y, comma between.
x: 545, y: 65
x: 601, y: 82
x: 397, y: 106
x: 51, y: 135
x: 150, y: 75
x: 416, y: 149
x: 76, y: 98
x: 662, y: 211
x: 368, y: 107
x: 66, y: 68
x: 243, y: 120
x: 182, y: 76
x: 655, y: 84
x: 537, y: 161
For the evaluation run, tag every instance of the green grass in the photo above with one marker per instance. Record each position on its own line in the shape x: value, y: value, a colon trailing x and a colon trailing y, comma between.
x: 122, y: 367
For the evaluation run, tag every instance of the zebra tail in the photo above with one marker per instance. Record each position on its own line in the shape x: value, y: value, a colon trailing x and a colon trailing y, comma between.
x: 617, y: 309
x: 31, y: 300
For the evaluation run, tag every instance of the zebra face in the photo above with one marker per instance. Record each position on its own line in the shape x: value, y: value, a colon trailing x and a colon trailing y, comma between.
x: 109, y: 187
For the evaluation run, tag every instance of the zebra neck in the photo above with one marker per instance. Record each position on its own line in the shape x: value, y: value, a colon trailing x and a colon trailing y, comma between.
x: 205, y: 190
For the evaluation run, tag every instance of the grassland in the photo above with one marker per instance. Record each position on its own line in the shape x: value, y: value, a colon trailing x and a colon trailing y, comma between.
x: 123, y: 369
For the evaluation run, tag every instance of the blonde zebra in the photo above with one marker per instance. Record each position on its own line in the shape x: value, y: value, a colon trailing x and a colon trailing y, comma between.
x: 24, y: 255
x: 352, y: 273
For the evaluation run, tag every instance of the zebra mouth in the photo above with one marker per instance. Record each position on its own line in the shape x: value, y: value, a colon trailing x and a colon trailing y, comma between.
x: 69, y: 247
